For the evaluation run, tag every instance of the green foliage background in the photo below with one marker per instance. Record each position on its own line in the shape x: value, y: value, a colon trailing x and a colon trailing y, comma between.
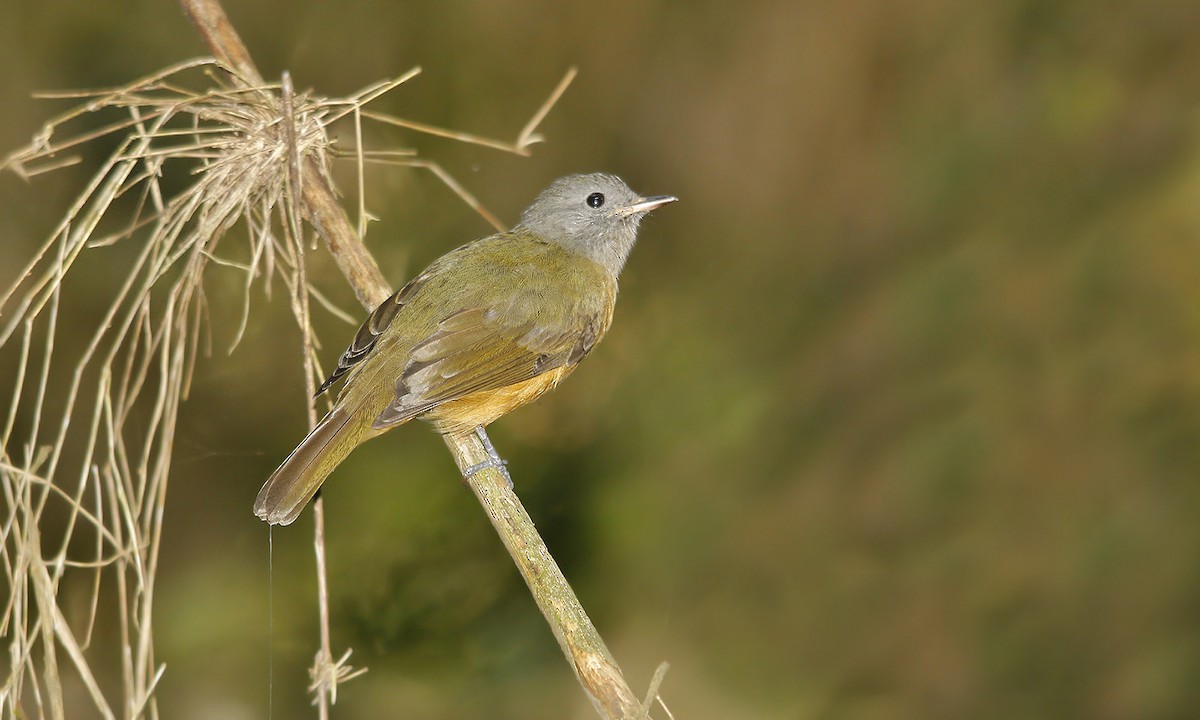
x: 899, y: 417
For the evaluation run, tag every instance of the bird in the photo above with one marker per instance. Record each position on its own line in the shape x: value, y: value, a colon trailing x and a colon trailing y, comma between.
x: 485, y: 329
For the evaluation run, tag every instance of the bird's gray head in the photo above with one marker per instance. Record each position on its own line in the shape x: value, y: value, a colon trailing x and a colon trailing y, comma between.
x: 596, y: 215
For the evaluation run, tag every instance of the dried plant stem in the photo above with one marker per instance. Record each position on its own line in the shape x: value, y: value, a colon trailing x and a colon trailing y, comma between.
x: 528, y: 135
x: 325, y: 212
x: 331, y: 221
x: 581, y: 643
x: 214, y: 27
x: 353, y: 260
x: 594, y: 666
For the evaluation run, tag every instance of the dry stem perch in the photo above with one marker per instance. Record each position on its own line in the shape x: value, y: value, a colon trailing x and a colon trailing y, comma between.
x: 590, y: 659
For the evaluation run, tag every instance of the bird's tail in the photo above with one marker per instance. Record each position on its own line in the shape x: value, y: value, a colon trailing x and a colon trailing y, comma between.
x: 294, y: 483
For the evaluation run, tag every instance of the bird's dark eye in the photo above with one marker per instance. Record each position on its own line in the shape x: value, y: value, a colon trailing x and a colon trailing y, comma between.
x: 595, y: 200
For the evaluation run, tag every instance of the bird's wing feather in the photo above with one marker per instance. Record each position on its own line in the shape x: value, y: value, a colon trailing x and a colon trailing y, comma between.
x: 374, y: 326
x: 475, y: 350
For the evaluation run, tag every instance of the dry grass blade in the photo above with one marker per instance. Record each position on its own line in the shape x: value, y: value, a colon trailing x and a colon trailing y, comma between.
x: 94, y: 463
x: 98, y: 464
x: 527, y: 137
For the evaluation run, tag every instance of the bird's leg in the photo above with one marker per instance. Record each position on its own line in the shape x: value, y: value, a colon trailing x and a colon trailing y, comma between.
x: 494, y: 460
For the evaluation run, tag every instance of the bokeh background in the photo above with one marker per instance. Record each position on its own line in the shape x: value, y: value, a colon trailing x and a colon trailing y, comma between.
x: 899, y: 417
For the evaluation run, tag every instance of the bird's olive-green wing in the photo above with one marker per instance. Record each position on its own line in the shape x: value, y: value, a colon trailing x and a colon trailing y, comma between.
x: 374, y: 326
x: 476, y: 350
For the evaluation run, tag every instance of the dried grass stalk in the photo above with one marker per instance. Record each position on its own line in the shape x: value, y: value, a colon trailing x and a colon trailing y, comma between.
x: 86, y: 444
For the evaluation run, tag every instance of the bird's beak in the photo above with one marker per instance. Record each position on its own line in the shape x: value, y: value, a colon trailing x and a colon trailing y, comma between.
x: 647, y: 204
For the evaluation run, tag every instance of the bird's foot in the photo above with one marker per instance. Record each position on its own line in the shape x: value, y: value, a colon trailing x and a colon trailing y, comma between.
x: 493, y: 460
x: 490, y: 463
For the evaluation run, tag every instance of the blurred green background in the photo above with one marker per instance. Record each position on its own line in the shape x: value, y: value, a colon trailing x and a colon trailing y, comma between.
x: 899, y: 417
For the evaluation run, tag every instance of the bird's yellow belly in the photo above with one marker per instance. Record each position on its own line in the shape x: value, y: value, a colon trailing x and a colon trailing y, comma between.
x: 462, y: 416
